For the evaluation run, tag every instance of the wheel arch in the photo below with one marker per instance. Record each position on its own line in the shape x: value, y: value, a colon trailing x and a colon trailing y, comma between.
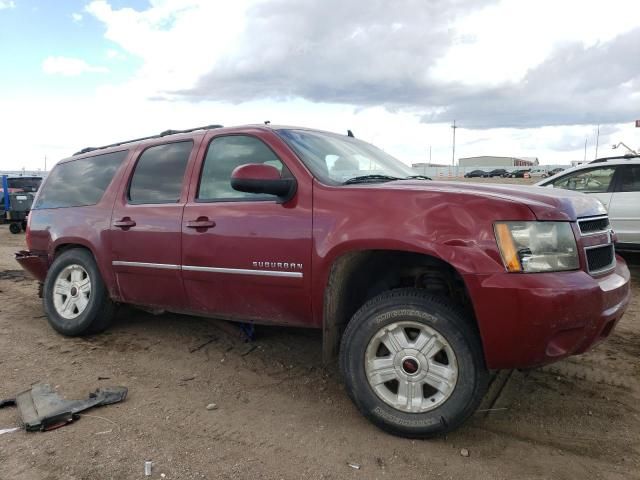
x: 62, y: 245
x: 356, y: 276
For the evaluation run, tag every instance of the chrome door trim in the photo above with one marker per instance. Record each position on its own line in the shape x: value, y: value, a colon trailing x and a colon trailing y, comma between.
x: 196, y: 268
x: 242, y: 271
x: 163, y: 266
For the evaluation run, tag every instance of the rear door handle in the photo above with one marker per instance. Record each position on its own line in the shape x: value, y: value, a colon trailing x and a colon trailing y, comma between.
x: 201, y: 222
x: 126, y: 222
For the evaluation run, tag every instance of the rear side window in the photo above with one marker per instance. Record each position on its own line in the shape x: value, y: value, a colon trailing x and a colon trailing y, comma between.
x: 159, y: 173
x: 630, y: 178
x: 79, y: 182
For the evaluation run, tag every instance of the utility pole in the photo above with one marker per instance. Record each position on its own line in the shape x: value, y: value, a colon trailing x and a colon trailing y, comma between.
x: 453, y: 154
x: 424, y: 170
x: 585, y: 149
x: 45, y: 163
x: 597, y: 141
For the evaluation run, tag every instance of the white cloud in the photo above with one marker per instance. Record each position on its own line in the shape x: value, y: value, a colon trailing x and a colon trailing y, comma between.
x: 178, y: 41
x: 113, y: 54
x: 76, y: 17
x: 4, y: 4
x: 69, y: 67
x: 501, y: 42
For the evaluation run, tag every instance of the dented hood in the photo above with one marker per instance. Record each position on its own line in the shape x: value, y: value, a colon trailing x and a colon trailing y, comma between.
x: 545, y: 203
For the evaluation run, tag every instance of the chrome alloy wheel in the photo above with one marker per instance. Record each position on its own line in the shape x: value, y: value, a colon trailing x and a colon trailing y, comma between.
x: 411, y: 367
x: 71, y: 291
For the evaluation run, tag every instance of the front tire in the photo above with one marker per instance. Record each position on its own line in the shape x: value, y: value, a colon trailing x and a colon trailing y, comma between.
x: 75, y: 297
x: 14, y: 228
x: 413, y: 363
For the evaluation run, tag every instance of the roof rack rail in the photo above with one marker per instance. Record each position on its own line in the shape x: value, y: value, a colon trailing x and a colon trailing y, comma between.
x: 627, y: 156
x: 160, y: 135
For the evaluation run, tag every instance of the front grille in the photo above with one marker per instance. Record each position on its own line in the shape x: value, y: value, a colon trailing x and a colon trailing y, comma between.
x: 600, y: 258
x: 589, y: 226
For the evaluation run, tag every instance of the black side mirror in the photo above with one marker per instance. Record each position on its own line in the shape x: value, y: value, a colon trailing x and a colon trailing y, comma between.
x: 261, y: 178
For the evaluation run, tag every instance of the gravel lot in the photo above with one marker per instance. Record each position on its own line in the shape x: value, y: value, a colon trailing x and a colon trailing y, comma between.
x: 281, y: 415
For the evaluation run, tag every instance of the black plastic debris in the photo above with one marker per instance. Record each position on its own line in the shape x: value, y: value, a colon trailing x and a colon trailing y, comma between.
x: 42, y: 409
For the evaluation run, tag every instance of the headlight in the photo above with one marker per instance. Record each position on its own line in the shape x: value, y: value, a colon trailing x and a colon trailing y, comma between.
x: 537, y: 246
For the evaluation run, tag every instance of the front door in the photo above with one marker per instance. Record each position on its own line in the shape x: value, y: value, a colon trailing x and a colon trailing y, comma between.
x: 146, y: 227
x: 247, y: 256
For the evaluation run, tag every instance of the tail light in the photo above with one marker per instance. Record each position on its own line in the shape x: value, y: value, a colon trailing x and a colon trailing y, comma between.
x: 27, y: 233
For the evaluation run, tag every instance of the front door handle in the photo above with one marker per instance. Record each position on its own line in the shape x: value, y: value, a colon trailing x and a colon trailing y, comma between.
x: 126, y: 222
x: 200, y: 222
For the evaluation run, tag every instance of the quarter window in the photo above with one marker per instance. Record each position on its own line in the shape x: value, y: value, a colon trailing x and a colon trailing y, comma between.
x: 223, y: 156
x: 80, y: 182
x: 595, y: 180
x: 159, y: 173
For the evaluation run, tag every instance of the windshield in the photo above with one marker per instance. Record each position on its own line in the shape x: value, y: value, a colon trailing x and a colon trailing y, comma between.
x: 335, y: 159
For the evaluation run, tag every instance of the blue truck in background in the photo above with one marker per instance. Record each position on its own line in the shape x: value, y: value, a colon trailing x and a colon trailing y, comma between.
x: 16, y: 197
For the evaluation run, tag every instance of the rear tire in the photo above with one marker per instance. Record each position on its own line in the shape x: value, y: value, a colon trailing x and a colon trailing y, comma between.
x: 75, y: 297
x: 413, y: 363
x: 14, y: 228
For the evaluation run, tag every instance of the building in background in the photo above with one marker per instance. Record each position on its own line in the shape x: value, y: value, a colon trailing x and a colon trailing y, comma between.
x: 25, y: 173
x: 491, y: 161
x: 420, y: 165
x: 575, y: 163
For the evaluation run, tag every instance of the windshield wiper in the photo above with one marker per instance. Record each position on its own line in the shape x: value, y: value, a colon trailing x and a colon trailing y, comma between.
x: 369, y: 178
x: 417, y: 177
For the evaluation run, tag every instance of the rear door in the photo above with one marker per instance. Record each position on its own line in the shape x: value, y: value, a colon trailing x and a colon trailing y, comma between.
x: 247, y: 256
x: 146, y: 225
x: 624, y: 209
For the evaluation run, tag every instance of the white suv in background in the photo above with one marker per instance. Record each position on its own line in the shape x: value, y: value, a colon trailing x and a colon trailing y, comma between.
x: 616, y: 182
x: 538, y: 172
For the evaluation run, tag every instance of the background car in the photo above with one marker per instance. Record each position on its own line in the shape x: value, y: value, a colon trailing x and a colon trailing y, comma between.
x: 555, y: 171
x: 518, y: 173
x: 616, y: 183
x: 538, y: 173
x: 498, y: 172
x: 475, y: 174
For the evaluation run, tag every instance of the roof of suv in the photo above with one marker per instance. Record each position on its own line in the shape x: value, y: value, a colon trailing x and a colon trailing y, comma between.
x: 170, y: 132
x: 137, y: 140
x: 619, y: 159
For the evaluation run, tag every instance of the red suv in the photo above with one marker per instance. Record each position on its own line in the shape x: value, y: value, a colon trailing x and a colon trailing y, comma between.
x: 422, y: 287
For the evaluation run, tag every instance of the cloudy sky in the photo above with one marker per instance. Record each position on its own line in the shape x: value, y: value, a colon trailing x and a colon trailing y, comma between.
x: 520, y: 78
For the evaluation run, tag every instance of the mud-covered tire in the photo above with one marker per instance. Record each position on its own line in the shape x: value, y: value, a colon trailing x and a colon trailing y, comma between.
x: 410, y: 310
x: 98, y: 312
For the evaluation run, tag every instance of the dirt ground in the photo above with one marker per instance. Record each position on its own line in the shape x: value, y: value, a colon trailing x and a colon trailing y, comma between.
x: 281, y: 415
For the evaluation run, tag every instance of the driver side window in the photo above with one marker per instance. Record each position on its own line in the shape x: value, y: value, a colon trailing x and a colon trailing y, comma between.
x: 223, y: 156
x: 594, y: 180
